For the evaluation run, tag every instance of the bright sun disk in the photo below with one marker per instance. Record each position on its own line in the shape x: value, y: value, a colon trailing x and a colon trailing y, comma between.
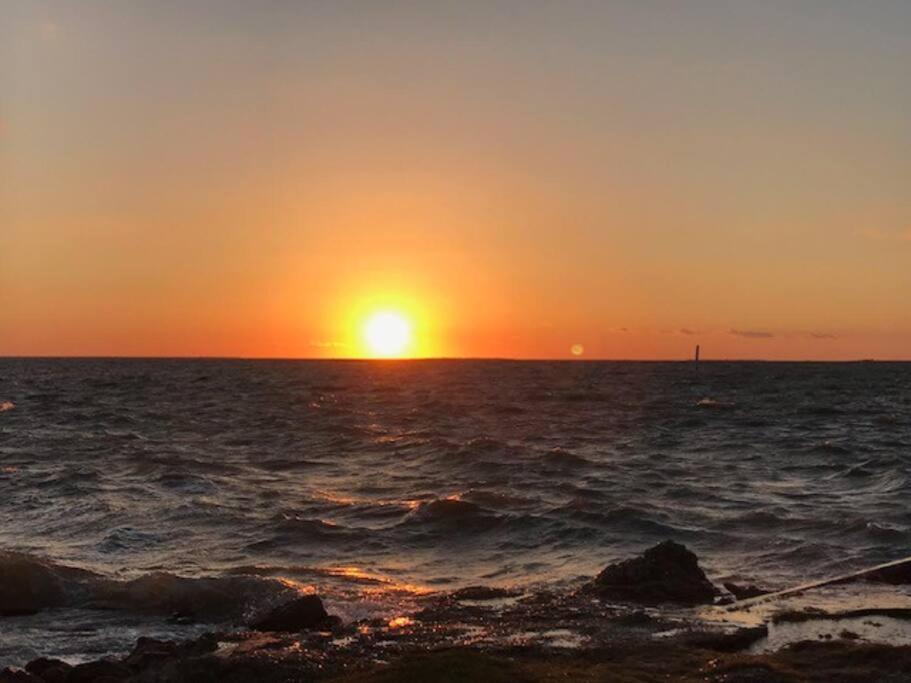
x: 387, y: 334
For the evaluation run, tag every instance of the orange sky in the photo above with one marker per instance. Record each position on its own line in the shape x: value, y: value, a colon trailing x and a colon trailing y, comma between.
x: 235, y: 179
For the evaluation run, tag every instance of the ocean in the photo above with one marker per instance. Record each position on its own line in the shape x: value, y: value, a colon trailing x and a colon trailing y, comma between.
x: 162, y: 497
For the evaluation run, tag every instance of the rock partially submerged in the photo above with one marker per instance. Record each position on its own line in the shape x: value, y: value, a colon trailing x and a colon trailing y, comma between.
x: 481, y: 593
x: 29, y: 584
x: 100, y: 670
x: 665, y: 573
x: 896, y: 575
x: 157, y: 661
x: 745, y: 591
x: 306, y: 612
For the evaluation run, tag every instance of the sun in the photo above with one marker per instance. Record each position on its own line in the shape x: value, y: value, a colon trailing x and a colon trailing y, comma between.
x: 387, y: 334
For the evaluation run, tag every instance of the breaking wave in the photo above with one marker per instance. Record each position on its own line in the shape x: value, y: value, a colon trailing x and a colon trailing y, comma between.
x: 29, y: 584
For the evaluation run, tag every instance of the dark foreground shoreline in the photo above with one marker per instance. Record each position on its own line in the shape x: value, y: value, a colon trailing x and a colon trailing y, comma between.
x: 651, y: 618
x: 251, y: 657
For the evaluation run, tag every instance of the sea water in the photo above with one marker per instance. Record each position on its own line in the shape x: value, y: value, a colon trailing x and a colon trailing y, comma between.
x: 186, y: 494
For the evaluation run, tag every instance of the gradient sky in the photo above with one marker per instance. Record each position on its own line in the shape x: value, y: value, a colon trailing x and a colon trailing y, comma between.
x: 252, y: 179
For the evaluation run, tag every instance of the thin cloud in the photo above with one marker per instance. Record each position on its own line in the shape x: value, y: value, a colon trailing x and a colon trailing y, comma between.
x: 687, y: 331
x: 752, y: 334
x: 823, y: 335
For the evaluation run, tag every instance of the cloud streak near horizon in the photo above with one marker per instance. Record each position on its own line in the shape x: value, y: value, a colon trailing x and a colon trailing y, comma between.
x: 752, y: 334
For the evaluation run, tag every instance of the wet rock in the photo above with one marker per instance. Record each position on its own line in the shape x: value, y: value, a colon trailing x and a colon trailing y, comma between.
x: 635, y: 619
x: 149, y: 651
x: 158, y: 660
x: 304, y: 613
x: 18, y: 611
x: 49, y: 670
x: 735, y: 641
x: 100, y: 671
x: 898, y: 575
x: 9, y: 675
x: 666, y: 573
x: 483, y: 593
x: 744, y: 592
x: 749, y: 673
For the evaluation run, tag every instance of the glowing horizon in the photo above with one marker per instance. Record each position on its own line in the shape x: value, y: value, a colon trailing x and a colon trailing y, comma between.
x: 570, y: 180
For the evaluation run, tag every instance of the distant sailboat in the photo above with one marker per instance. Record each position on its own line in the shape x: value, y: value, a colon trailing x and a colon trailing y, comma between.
x: 696, y: 357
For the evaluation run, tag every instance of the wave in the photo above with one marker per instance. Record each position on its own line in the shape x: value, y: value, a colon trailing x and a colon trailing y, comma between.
x: 551, y: 463
x: 483, y: 445
x: 29, y: 584
x: 712, y: 404
x: 562, y: 458
x: 829, y: 448
x: 878, y: 531
x: 453, y: 513
x: 497, y: 499
x: 288, y: 530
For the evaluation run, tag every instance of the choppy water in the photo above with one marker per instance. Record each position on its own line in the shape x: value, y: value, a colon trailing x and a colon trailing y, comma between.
x: 375, y: 481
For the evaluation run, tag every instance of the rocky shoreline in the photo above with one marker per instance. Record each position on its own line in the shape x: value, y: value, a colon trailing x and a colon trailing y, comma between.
x: 638, y: 620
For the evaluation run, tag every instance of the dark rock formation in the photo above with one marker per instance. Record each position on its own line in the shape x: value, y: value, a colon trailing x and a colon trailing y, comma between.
x: 301, y: 614
x: 896, y: 575
x: 9, y: 675
x: 736, y: 641
x: 635, y: 619
x: 744, y: 592
x: 483, y: 593
x: 49, y: 670
x: 97, y: 671
x: 666, y: 573
x: 151, y: 651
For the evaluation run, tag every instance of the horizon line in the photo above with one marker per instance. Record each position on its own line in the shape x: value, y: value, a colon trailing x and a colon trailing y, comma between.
x: 540, y: 359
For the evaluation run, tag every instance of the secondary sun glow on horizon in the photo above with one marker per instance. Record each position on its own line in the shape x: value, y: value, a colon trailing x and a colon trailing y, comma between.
x: 387, y: 334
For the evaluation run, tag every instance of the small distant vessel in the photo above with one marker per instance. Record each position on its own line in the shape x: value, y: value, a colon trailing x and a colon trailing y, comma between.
x: 696, y: 357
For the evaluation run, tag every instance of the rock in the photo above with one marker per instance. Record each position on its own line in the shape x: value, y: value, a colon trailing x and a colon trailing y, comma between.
x: 304, y: 613
x: 483, y: 593
x: 102, y: 670
x: 897, y: 575
x: 149, y: 651
x: 49, y: 670
x: 9, y: 675
x: 735, y: 641
x: 18, y: 611
x: 744, y: 592
x: 666, y: 573
x: 635, y: 619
